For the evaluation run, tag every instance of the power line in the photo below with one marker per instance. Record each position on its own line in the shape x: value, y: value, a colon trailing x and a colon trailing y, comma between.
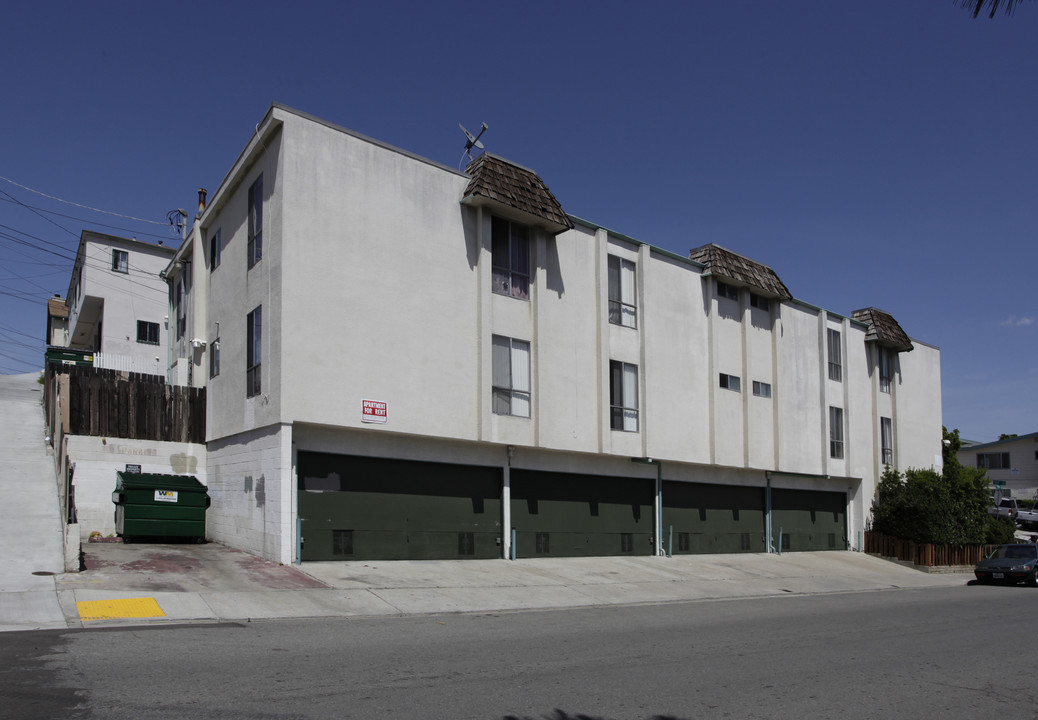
x: 85, y: 207
x: 84, y: 220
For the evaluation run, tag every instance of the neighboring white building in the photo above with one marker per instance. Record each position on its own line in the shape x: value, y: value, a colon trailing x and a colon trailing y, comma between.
x: 117, y: 303
x: 1013, y: 461
x: 406, y: 361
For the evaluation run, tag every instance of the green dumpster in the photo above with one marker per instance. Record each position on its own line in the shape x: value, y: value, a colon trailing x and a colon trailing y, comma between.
x: 159, y: 505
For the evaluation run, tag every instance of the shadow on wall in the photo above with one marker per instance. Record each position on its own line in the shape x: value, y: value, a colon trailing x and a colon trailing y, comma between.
x: 563, y: 715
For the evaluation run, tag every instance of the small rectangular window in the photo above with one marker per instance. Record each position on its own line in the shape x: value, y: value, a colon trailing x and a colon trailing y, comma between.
x: 510, y: 258
x: 147, y: 332
x: 762, y: 389
x: 724, y: 290
x: 254, y: 248
x: 214, y: 250
x: 623, y: 396
x: 342, y: 542
x: 120, y: 261
x: 993, y: 461
x: 760, y: 302
x: 466, y: 543
x: 731, y: 382
x: 886, y: 434
x: 744, y: 541
x: 835, y: 355
x: 214, y: 358
x: 785, y: 541
x: 511, y: 376
x: 254, y: 352
x: 684, y: 542
x: 622, y: 309
x: 885, y: 373
x: 835, y: 432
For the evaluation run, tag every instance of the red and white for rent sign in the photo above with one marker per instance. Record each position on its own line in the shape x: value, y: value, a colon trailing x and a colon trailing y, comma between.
x: 373, y: 411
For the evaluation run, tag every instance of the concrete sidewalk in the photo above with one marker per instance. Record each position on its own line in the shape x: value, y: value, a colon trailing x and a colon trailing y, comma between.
x: 132, y: 584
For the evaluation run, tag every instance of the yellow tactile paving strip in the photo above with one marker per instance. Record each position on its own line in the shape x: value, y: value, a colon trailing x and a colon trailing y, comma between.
x: 115, y: 609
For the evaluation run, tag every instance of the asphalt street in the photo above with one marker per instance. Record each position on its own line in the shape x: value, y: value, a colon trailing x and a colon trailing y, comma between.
x: 947, y: 652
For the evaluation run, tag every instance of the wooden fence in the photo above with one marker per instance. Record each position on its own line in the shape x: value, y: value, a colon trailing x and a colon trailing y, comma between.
x: 925, y: 554
x: 112, y: 403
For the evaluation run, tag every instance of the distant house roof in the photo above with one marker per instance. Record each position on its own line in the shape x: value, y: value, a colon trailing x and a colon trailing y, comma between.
x: 518, y: 192
x: 1005, y: 441
x: 726, y: 264
x: 883, y: 329
x: 56, y: 307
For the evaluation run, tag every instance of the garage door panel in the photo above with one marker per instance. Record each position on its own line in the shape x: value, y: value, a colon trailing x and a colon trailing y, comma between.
x: 809, y: 519
x: 713, y: 518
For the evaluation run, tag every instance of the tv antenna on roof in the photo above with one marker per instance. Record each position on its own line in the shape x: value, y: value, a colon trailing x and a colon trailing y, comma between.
x: 473, y: 140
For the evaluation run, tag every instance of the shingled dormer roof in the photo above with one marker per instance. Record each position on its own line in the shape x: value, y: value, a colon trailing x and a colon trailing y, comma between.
x: 743, y: 271
x: 883, y: 329
x: 514, y: 192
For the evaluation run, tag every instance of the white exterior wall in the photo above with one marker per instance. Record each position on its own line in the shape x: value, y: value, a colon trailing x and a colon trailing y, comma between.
x: 1022, y: 474
x: 916, y: 390
x: 251, y: 483
x: 97, y: 460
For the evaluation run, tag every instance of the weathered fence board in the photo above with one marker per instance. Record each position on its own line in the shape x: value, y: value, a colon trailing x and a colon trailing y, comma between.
x: 925, y: 554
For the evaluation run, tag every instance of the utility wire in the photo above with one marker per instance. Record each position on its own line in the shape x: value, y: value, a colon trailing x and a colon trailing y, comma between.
x: 84, y: 220
x: 85, y: 207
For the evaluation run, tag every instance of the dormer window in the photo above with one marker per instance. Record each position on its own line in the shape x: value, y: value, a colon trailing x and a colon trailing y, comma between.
x: 510, y: 258
x: 724, y: 290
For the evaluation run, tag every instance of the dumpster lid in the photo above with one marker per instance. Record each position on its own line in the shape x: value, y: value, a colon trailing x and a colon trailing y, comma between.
x: 157, y: 481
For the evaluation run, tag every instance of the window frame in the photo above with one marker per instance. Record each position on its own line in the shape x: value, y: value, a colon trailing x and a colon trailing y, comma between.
x: 623, y: 283
x: 510, y: 253
x: 214, y: 358
x: 760, y: 302
x: 623, y: 408
x: 834, y: 353
x: 761, y: 389
x: 886, y: 370
x: 254, y: 248
x: 727, y: 291
x: 984, y: 460
x: 886, y: 441
x: 730, y: 382
x: 121, y: 261
x: 180, y: 306
x: 254, y: 352
x: 836, y: 433
x: 147, y: 326
x: 517, y: 392
x: 215, y: 250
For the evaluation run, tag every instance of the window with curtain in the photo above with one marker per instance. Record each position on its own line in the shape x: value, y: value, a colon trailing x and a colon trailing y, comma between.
x: 886, y: 434
x: 835, y: 432
x: 511, y: 382
x: 623, y: 396
x: 622, y: 307
x: 885, y: 373
x: 835, y: 356
x: 510, y: 258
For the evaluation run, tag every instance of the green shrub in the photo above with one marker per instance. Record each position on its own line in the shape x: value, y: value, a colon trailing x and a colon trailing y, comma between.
x: 999, y: 530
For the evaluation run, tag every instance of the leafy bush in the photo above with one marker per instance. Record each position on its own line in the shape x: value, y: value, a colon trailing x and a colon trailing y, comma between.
x: 999, y: 530
x: 947, y: 508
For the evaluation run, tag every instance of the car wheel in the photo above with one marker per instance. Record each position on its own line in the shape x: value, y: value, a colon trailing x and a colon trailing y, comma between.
x: 1033, y: 579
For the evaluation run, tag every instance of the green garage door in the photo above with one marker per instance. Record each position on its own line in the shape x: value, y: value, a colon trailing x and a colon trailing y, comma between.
x: 359, y: 508
x: 567, y: 515
x: 809, y: 519
x: 712, y: 518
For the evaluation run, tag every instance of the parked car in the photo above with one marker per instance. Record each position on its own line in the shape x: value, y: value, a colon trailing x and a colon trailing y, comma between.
x: 1006, y: 508
x: 1027, y: 517
x: 1010, y: 564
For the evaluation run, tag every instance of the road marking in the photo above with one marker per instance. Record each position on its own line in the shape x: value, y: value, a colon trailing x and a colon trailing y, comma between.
x: 113, y: 609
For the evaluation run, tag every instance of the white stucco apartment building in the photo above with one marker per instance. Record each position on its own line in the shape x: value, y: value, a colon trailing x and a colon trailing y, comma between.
x: 407, y: 361
x: 117, y: 303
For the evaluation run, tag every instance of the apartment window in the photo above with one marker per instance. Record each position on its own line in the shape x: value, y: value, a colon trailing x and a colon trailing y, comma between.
x: 181, y: 307
x: 622, y: 309
x: 886, y: 440
x: 253, y: 352
x: 835, y: 357
x: 731, y: 382
x: 724, y: 290
x: 762, y: 389
x: 511, y: 386
x: 120, y: 261
x: 510, y: 259
x: 623, y: 396
x: 214, y: 250
x: 255, y: 244
x: 760, y: 302
x: 884, y: 370
x: 214, y: 358
x: 993, y: 461
x: 147, y: 332
x: 835, y: 432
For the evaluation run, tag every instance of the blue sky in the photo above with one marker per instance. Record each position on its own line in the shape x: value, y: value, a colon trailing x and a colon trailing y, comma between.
x: 872, y: 153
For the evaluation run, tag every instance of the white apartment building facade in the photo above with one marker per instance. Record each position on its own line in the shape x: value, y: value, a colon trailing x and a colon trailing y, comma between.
x: 407, y: 361
x: 116, y: 301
